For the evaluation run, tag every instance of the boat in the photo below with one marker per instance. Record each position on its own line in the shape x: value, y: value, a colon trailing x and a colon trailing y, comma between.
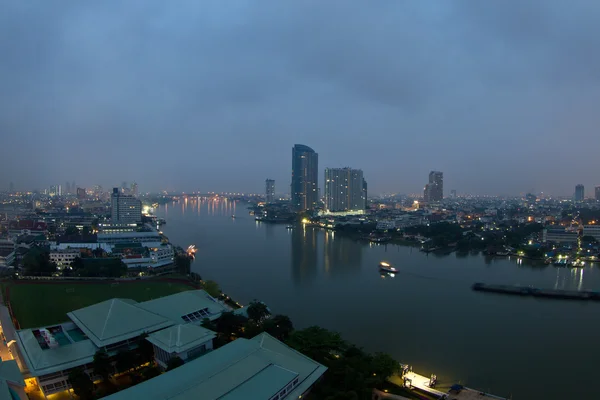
x: 290, y: 227
x: 385, y: 266
x: 233, y: 217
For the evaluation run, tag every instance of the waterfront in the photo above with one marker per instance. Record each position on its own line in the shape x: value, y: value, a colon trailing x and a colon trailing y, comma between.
x: 426, y: 316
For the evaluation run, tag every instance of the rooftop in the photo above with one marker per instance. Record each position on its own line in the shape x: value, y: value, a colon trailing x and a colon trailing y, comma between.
x: 179, y: 338
x: 262, y: 366
x: 115, y: 320
x: 195, y: 304
x: 41, y: 361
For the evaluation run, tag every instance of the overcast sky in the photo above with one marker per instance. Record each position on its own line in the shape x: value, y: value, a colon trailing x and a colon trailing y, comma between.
x: 502, y: 96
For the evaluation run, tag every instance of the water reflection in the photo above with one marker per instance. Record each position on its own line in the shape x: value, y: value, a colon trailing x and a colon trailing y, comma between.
x: 340, y: 255
x: 304, y: 254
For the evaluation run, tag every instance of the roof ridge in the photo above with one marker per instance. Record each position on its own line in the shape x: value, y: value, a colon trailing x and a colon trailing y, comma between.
x: 112, y: 302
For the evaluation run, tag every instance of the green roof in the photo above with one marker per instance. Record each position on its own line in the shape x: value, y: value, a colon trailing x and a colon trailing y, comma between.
x: 115, y: 320
x: 41, y: 362
x: 177, y: 305
x: 9, y: 371
x: 243, y: 369
x: 179, y: 338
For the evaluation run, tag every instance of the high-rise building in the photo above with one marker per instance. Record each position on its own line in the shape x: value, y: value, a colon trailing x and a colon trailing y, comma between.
x: 597, y: 193
x: 305, y: 180
x: 344, y: 189
x: 434, y: 190
x: 453, y: 193
x: 55, y: 190
x: 68, y: 187
x: 126, y: 209
x: 134, y: 189
x: 270, y: 190
x: 11, y: 187
x: 81, y: 193
x: 579, y: 192
x: 365, y: 191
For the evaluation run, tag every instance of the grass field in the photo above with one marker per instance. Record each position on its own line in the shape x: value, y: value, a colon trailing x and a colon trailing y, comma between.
x: 36, y: 305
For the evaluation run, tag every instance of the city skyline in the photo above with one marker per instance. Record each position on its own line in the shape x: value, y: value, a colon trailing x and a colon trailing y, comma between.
x: 489, y: 94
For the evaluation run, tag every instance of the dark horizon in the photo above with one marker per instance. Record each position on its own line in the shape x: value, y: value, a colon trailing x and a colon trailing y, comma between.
x: 501, y: 97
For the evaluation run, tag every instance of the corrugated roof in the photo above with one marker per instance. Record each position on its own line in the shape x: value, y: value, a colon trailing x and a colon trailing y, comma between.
x: 248, y: 369
x: 177, y: 305
x: 115, y: 320
x: 179, y: 338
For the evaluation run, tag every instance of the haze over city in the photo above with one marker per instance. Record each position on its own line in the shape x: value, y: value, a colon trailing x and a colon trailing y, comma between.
x: 500, y: 96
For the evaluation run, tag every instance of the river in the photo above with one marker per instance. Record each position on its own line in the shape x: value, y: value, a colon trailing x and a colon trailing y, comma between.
x: 426, y: 315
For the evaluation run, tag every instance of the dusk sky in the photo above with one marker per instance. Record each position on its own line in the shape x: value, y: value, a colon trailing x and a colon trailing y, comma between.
x: 502, y: 96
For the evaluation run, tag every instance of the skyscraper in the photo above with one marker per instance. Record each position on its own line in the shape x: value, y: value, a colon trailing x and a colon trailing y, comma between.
x: 453, y: 193
x: 11, y: 187
x: 305, y: 180
x: 597, y: 193
x: 344, y: 189
x: 125, y: 209
x: 270, y: 190
x: 68, y: 187
x: 434, y: 190
x: 579, y: 192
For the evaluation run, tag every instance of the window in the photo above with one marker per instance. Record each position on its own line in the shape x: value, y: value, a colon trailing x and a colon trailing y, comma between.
x: 198, y: 315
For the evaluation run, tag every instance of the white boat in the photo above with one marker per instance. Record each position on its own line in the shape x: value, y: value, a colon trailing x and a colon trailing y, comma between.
x: 385, y: 266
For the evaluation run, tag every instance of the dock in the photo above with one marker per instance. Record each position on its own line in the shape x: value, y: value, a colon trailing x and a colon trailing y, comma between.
x: 409, y: 379
x: 537, y: 292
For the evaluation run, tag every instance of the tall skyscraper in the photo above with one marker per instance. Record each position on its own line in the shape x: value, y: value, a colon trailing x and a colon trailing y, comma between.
x: 579, y: 192
x: 81, y: 193
x: 453, y: 193
x: 305, y: 179
x: 270, y: 190
x: 597, y: 193
x: 434, y: 190
x: 344, y: 189
x: 68, y: 187
x: 125, y: 209
x: 365, y: 191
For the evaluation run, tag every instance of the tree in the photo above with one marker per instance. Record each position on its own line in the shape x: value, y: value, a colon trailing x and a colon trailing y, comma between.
x: 102, y: 365
x: 125, y: 360
x: 212, y: 288
x: 37, y: 262
x: 183, y: 264
x: 383, y: 366
x: 77, y: 264
x: 279, y: 326
x: 145, y: 350
x: 317, y: 343
x: 71, y: 230
x: 588, y: 239
x: 150, y: 372
x: 82, y: 384
x: 258, y: 311
x: 174, y: 362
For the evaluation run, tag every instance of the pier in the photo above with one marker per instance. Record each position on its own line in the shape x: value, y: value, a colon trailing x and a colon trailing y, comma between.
x: 536, y: 292
x: 409, y: 379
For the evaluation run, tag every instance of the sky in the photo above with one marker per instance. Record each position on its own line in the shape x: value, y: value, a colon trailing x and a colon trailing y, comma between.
x: 502, y: 96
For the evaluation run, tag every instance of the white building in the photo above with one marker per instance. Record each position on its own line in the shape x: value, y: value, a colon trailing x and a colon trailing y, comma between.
x: 125, y: 208
x: 592, y: 230
x: 64, y: 257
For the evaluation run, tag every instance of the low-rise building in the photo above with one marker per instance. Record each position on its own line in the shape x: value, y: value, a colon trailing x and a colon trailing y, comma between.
x: 48, y: 354
x: 261, y: 368
x: 559, y: 235
x: 592, y: 230
x: 64, y: 257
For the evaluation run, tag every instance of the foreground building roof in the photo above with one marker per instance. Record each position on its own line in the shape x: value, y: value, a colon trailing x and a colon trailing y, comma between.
x: 260, y: 368
x: 195, y: 304
x: 115, y: 320
x: 180, y: 338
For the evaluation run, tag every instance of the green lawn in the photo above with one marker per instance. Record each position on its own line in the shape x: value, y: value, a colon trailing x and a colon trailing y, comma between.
x: 36, y: 305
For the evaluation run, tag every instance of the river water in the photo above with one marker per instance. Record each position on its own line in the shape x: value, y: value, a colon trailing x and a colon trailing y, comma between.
x: 426, y: 315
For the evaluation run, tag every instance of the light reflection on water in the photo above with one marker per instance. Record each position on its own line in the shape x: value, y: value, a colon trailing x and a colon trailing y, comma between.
x: 426, y: 315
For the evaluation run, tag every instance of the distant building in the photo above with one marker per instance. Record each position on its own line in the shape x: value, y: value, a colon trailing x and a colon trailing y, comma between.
x: 592, y: 230
x: 453, y: 193
x: 64, y: 257
x: 11, y: 187
x: 68, y: 187
x: 365, y: 191
x: 579, y: 192
x: 560, y: 235
x: 434, y: 190
x: 270, y: 190
x: 134, y: 189
x: 126, y: 209
x: 344, y: 189
x: 81, y: 193
x: 597, y: 193
x: 55, y: 190
x: 305, y: 180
